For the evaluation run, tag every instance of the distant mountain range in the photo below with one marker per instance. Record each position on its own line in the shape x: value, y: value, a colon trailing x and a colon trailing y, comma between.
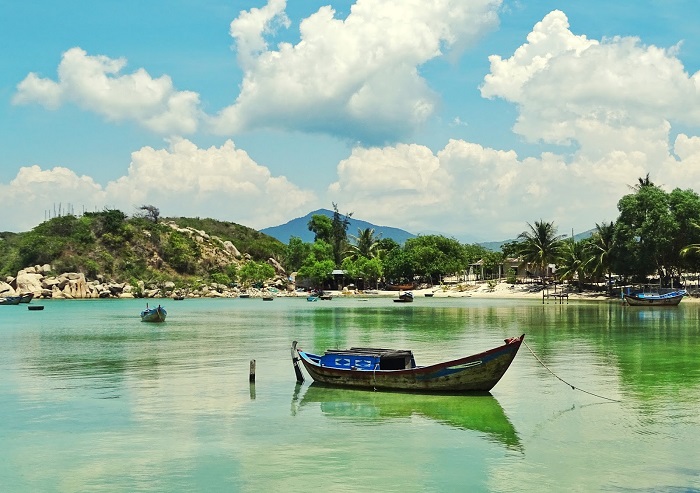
x: 299, y: 227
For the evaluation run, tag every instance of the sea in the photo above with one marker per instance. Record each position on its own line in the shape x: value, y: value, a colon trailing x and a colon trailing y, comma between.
x: 603, y: 397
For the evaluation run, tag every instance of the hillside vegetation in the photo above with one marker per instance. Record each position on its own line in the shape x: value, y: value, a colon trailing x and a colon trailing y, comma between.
x: 122, y: 248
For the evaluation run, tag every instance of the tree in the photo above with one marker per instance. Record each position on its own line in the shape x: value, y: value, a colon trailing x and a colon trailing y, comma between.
x: 150, y: 212
x: 295, y: 253
x: 601, y: 250
x: 573, y: 261
x: 322, y: 227
x: 339, y: 236
x: 540, y: 245
x: 366, y: 243
x: 256, y: 272
x: 436, y: 255
x: 644, y: 234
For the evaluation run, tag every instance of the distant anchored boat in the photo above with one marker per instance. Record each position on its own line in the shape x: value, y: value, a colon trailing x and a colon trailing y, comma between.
x: 396, y: 369
x: 406, y: 297
x: 157, y: 314
x: 671, y: 298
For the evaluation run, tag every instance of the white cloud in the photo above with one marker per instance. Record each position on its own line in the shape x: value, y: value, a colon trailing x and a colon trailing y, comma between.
x: 358, y: 77
x: 95, y: 83
x: 183, y: 180
x: 607, y: 95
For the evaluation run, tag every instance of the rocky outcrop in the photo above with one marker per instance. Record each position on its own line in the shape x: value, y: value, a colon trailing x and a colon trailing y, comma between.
x: 74, y: 285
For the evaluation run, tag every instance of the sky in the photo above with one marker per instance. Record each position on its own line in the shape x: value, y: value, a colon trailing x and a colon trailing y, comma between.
x: 467, y: 118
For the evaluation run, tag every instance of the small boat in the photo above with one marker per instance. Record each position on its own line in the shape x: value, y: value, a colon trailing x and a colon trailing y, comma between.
x: 157, y: 314
x: 428, y: 295
x: 311, y: 297
x: 396, y: 369
x: 406, y: 297
x: 244, y: 295
x: 268, y: 297
x: 26, y: 297
x: 326, y: 297
x: 10, y: 300
x: 399, y: 287
x: 672, y: 298
x: 35, y: 307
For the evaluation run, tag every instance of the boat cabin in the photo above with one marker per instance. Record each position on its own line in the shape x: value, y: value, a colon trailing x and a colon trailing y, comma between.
x: 368, y: 359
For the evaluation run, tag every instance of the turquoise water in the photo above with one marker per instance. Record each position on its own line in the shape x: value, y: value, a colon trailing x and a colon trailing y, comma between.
x: 92, y: 399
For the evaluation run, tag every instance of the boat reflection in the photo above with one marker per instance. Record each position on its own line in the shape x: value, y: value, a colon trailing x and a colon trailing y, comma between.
x: 481, y: 413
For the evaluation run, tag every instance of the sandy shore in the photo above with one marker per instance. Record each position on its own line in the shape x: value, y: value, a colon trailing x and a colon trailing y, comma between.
x: 502, y: 290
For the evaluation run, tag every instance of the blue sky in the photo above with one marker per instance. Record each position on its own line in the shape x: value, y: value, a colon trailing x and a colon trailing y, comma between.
x: 465, y: 118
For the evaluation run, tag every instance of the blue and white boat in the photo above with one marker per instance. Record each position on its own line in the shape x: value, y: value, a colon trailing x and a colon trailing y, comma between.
x: 157, y: 314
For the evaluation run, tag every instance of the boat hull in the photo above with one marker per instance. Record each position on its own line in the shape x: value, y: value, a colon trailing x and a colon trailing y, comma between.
x: 154, y: 315
x: 476, y: 373
x: 662, y: 300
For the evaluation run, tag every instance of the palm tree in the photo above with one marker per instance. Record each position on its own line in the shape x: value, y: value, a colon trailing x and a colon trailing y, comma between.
x: 601, y: 247
x: 365, y: 244
x: 575, y: 260
x: 540, y: 245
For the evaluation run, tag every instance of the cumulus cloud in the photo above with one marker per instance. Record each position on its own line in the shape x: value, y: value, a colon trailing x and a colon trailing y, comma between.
x: 219, y: 182
x: 95, y: 83
x: 478, y: 193
x: 614, y: 94
x: 358, y: 77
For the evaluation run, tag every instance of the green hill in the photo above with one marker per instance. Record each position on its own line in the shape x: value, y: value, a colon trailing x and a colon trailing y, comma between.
x: 117, y: 247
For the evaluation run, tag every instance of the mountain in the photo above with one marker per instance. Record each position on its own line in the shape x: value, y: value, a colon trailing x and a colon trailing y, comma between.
x: 299, y: 227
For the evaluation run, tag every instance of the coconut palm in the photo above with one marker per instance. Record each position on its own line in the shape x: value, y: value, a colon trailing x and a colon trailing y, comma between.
x: 574, y: 261
x: 540, y: 246
x: 365, y: 244
x: 601, y: 247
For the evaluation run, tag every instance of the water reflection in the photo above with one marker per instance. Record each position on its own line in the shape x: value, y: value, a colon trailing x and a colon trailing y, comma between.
x: 480, y: 413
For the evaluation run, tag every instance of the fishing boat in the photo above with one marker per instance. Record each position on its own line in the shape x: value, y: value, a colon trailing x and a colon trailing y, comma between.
x: 157, y: 314
x: 655, y: 298
x: 26, y: 297
x: 10, y: 300
x: 400, y: 287
x: 406, y: 297
x: 396, y: 369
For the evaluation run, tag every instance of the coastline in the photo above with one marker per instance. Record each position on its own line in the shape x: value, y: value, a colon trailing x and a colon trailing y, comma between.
x: 502, y: 290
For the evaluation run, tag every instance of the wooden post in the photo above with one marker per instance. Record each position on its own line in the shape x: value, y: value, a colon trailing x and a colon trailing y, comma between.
x: 252, y: 371
x: 295, y: 362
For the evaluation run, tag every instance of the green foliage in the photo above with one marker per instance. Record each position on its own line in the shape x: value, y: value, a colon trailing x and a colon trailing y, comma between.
x: 295, y: 253
x: 181, y: 252
x: 436, y: 255
x: 256, y: 272
x: 540, y: 245
x: 317, y: 271
x: 220, y: 278
x: 248, y: 241
x: 322, y: 227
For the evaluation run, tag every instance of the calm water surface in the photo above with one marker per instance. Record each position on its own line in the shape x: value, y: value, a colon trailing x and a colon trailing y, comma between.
x: 94, y: 400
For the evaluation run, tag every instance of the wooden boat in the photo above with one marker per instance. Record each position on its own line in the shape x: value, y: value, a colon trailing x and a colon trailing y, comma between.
x: 35, y: 307
x: 672, y: 298
x: 399, y: 287
x: 157, y: 314
x: 10, y: 300
x: 480, y: 412
x: 26, y: 297
x: 406, y: 297
x: 392, y: 369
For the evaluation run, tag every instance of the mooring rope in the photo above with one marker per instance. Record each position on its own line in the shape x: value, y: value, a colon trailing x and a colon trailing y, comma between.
x: 567, y: 383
